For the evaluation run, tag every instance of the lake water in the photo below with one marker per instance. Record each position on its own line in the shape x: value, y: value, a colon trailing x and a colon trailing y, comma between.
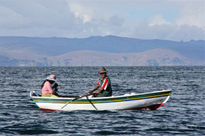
x: 183, y: 114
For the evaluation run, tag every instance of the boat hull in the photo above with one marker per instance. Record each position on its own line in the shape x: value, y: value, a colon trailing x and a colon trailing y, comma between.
x: 151, y: 100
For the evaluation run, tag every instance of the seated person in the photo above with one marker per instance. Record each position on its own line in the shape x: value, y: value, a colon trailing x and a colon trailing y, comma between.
x: 49, y: 87
x: 103, y: 88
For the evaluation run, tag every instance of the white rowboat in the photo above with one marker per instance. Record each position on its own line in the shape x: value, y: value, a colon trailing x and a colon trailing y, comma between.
x: 150, y: 100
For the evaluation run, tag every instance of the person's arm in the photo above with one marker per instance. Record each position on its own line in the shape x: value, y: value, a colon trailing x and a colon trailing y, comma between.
x: 91, y: 91
x: 96, y: 87
x: 99, y: 91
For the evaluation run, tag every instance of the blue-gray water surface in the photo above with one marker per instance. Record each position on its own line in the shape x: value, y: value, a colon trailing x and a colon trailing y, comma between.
x: 183, y: 114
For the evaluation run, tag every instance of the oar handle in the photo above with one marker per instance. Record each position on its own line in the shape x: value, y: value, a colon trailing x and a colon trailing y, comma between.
x: 80, y: 97
x: 75, y: 99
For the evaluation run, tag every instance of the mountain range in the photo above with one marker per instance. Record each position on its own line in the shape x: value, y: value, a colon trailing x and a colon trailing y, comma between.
x: 99, y: 51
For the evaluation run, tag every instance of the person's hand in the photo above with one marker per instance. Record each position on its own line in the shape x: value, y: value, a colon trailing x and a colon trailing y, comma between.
x: 90, y: 92
x: 97, y: 92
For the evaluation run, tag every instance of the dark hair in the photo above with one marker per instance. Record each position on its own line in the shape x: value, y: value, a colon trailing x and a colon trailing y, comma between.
x: 50, y: 81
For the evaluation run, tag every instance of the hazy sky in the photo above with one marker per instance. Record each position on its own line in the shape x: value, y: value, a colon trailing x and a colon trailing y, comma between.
x: 145, y: 19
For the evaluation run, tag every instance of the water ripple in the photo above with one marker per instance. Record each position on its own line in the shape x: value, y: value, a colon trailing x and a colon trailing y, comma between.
x: 183, y: 114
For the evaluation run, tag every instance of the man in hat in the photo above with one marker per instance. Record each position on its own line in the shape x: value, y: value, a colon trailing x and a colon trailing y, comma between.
x: 103, y: 88
x: 49, y: 87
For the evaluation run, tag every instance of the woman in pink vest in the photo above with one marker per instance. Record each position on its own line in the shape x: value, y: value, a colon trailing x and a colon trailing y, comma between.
x: 49, y: 87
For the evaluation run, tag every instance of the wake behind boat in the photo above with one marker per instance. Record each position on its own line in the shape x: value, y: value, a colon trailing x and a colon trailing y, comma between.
x: 150, y: 100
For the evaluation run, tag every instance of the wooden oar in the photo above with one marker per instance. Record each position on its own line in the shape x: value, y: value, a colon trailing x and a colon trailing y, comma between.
x: 91, y: 103
x: 76, y: 99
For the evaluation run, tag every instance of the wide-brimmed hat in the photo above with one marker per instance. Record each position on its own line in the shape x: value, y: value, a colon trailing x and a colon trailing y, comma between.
x: 51, y: 77
x: 103, y: 70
